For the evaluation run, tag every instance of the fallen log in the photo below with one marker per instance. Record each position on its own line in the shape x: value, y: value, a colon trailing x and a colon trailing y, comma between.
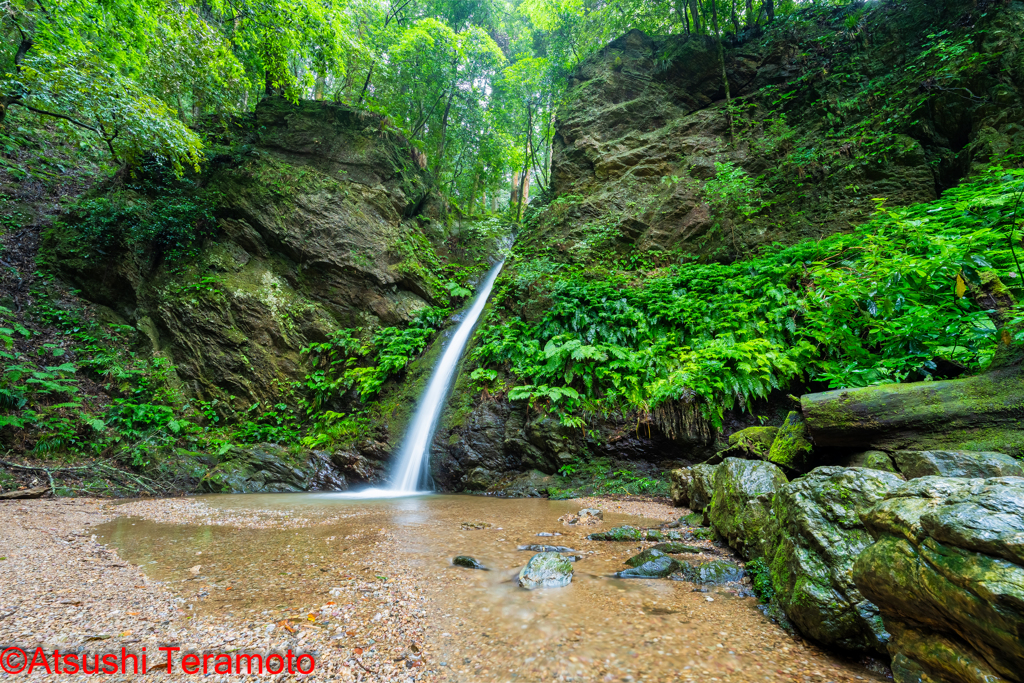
x: 35, y: 492
x: 980, y: 413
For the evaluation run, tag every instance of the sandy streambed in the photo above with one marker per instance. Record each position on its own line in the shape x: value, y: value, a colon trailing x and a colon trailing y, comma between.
x: 368, y: 589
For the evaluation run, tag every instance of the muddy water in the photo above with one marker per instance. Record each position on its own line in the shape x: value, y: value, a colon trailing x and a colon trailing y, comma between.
x: 482, y: 626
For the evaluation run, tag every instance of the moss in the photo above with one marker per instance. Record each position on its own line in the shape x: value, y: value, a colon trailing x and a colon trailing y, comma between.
x: 791, y: 448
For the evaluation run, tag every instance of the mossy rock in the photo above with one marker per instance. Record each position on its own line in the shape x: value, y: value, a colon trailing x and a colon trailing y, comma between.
x: 546, y: 570
x: 677, y: 548
x: 626, y: 533
x: 741, y: 508
x: 714, y: 572
x: 757, y: 441
x: 792, y: 447
x: 655, y: 568
x: 467, y: 562
x: 645, y: 556
x: 874, y: 460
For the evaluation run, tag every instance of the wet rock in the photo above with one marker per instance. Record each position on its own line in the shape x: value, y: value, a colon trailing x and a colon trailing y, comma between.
x: 324, y: 476
x: 874, y: 460
x: 947, y: 573
x: 713, y: 572
x: 546, y: 548
x: 982, y: 464
x: 267, y: 468
x: 677, y: 548
x: 742, y: 503
x: 656, y: 568
x: 645, y: 556
x: 531, y: 484
x: 476, y: 525
x: 680, y: 486
x: 546, y: 570
x: 357, y: 466
x: 573, y: 558
x: 628, y: 533
x: 702, y: 486
x: 468, y: 562
x: 820, y: 536
x: 792, y: 446
x: 590, y: 516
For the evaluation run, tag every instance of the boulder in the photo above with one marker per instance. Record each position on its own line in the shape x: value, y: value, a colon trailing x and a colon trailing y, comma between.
x: 874, y: 460
x: 792, y: 446
x: 820, y: 537
x: 590, y: 516
x: 983, y: 464
x: 626, y: 533
x: 531, y: 484
x: 655, y: 568
x: 680, y: 486
x: 677, y: 548
x: 467, y: 562
x: 645, y: 556
x: 757, y: 441
x: 947, y: 573
x: 270, y: 468
x: 712, y: 572
x: 702, y: 485
x: 546, y: 570
x: 741, y: 508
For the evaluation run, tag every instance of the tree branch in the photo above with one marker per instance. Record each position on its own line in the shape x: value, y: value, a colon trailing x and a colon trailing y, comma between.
x: 56, y: 115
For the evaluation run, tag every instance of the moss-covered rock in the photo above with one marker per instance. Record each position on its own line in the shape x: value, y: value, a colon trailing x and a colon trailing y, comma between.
x: 820, y: 537
x: 741, y: 507
x: 702, y: 486
x: 269, y: 468
x: 626, y: 533
x: 677, y: 548
x: 755, y: 440
x: 645, y: 556
x: 679, y: 480
x: 947, y: 573
x: 792, y: 447
x: 467, y: 562
x: 712, y: 572
x: 873, y: 460
x: 656, y: 567
x: 913, y: 464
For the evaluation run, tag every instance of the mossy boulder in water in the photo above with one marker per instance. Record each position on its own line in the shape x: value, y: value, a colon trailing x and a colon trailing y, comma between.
x: 657, y: 567
x: 645, y: 556
x: 742, y: 503
x: 820, y: 536
x: 713, y: 572
x: 621, y: 533
x: 792, y: 447
x: 981, y: 464
x: 947, y: 573
x: 546, y: 570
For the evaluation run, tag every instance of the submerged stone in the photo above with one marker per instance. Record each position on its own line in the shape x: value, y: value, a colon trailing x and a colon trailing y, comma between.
x: 655, y: 568
x: 468, y: 562
x: 982, y: 464
x: 546, y: 548
x: 712, y: 572
x: 546, y: 570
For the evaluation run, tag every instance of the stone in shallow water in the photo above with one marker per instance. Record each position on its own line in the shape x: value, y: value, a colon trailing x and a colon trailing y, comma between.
x: 677, y: 548
x: 656, y: 568
x: 546, y: 548
x: 628, y: 533
x: 711, y: 572
x: 468, y: 562
x: 645, y: 556
x: 590, y: 516
x: 546, y: 570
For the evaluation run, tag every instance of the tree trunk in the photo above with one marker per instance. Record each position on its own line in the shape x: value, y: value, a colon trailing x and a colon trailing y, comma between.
x: 725, y: 77
x: 769, y: 10
x: 695, y: 14
x: 993, y: 296
x: 980, y: 413
x: 750, y: 19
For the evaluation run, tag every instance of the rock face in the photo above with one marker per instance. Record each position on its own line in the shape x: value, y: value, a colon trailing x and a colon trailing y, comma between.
x: 546, y: 570
x: 874, y: 460
x: 741, y: 507
x: 679, y: 480
x: 269, y: 468
x: 312, y: 216
x: 947, y: 573
x: 913, y: 464
x: 820, y: 537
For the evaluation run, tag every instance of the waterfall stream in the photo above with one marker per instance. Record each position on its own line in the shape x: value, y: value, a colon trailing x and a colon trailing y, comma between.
x: 410, y: 469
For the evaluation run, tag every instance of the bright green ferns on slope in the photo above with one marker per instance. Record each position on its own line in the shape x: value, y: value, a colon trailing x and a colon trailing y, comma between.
x: 894, y: 301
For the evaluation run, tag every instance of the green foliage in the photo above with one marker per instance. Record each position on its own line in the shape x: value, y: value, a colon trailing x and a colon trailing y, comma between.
x: 761, y: 579
x: 879, y: 305
x: 602, y: 476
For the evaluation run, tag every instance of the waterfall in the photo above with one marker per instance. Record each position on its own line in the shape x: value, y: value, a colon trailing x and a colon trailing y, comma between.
x: 409, y: 469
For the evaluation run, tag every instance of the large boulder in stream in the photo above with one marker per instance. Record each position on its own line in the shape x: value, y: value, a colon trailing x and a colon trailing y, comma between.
x: 820, y: 536
x: 657, y: 567
x: 546, y: 570
x: 702, y: 486
x: 947, y: 573
x: 741, y: 506
x: 712, y: 572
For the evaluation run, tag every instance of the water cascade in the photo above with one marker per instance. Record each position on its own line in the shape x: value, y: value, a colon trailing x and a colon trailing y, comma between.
x: 409, y: 469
